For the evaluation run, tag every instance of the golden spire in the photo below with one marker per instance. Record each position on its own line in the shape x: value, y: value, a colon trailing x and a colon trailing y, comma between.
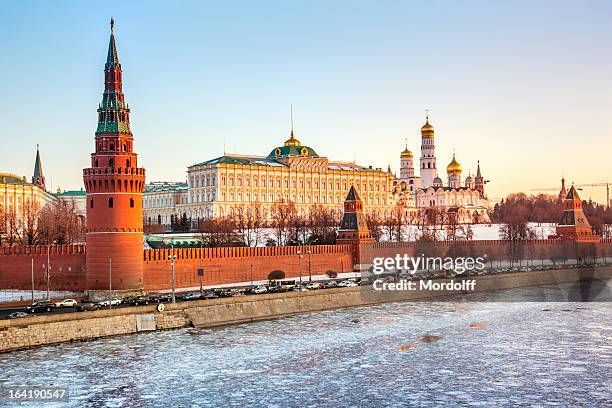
x: 406, y: 152
x: 292, y: 141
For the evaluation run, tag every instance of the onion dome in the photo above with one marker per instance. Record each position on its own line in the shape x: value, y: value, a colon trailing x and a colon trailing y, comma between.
x: 453, y: 167
x: 292, y: 141
x: 437, y: 182
x: 427, y: 131
x: 406, y: 153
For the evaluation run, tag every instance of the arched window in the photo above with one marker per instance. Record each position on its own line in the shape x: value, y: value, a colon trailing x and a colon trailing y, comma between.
x: 110, y: 202
x: 91, y: 203
x: 111, y: 147
x: 131, y: 202
x: 124, y: 147
x: 127, y: 163
x: 111, y: 162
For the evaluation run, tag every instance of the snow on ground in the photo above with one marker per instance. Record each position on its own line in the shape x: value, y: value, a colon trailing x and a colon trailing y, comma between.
x: 485, y: 232
x: 9, y: 295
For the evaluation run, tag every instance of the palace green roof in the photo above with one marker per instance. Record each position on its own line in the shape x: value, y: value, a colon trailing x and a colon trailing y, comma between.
x: 164, y: 186
x: 12, y: 179
x: 244, y: 160
x: 71, y: 193
x: 284, y: 151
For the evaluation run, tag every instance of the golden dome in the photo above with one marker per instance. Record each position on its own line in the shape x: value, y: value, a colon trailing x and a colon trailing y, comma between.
x: 406, y: 153
x: 427, y: 130
x: 453, y: 166
x: 292, y: 141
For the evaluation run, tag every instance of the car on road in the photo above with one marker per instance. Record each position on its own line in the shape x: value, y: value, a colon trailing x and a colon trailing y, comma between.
x: 209, y: 294
x: 66, y: 303
x: 111, y: 302
x: 346, y: 284
x: 258, y: 290
x: 86, y: 305
x: 190, y: 296
x: 313, y: 285
x: 137, y: 300
x: 41, y: 306
x: 17, y: 315
x: 330, y: 284
x: 230, y: 293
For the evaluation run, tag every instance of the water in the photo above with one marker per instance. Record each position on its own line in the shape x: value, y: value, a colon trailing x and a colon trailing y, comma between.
x: 487, y: 354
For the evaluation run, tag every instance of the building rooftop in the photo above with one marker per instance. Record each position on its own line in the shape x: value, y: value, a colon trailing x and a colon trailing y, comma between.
x: 155, y: 186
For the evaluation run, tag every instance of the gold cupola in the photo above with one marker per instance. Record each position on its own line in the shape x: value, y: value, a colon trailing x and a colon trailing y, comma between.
x: 406, y: 152
x: 292, y: 141
x: 427, y: 131
x: 453, y: 167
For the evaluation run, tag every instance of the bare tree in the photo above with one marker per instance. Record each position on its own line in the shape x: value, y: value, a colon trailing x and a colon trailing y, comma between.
x: 282, y: 212
x: 375, y: 225
x: 249, y: 223
x: 60, y: 222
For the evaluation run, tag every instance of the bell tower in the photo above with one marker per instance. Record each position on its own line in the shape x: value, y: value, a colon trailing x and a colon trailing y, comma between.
x: 114, y: 185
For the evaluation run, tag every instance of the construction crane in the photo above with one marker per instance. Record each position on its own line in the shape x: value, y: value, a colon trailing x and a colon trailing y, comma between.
x: 607, y: 185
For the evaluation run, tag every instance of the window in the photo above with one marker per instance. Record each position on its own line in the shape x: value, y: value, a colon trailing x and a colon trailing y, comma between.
x: 111, y: 163
x: 91, y: 203
x: 131, y: 202
x: 110, y: 202
x: 112, y: 147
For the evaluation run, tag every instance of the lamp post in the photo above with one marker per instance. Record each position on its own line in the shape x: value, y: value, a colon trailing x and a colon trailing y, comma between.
x: 252, y: 276
x: 110, y: 283
x: 170, y: 242
x: 300, y: 266
x: 309, y: 270
x: 32, y: 280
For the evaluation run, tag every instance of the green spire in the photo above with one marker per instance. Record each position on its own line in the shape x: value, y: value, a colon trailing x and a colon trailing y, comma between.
x: 112, y: 59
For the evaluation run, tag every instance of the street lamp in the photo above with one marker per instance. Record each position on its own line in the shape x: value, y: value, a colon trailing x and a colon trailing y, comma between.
x: 300, y: 254
x: 170, y: 242
x: 309, y: 270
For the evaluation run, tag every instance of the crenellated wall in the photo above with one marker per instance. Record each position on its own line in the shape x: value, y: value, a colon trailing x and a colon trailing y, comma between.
x: 228, y: 265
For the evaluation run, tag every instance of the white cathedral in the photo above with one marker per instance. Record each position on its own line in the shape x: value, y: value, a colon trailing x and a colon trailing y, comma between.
x: 426, y: 195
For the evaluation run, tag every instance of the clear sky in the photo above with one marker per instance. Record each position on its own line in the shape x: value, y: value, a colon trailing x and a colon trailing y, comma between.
x: 524, y: 86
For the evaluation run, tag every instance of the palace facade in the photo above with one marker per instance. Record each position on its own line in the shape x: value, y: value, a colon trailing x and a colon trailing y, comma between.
x: 290, y: 172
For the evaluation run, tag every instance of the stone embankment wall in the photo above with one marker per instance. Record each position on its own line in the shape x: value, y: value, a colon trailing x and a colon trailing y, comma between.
x: 58, y: 328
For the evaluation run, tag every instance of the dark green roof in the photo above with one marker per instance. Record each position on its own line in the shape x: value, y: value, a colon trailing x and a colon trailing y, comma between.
x: 283, y: 151
x: 245, y: 160
x: 12, y: 179
x: 164, y: 186
x: 71, y: 193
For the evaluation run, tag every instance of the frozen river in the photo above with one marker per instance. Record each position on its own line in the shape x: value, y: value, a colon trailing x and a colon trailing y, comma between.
x: 400, y: 354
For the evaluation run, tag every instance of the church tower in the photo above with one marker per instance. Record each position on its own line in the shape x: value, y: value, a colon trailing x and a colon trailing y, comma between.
x: 428, y: 155
x: 114, y: 185
x: 479, y: 181
x: 37, y: 178
x: 406, y: 164
x: 453, y: 171
x: 562, y: 192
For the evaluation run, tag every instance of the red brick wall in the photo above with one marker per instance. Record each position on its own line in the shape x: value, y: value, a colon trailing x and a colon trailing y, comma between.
x: 227, y: 265
x: 67, y: 268
x: 495, y: 250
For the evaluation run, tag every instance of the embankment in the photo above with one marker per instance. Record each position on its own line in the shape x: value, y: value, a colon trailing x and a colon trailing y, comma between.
x: 59, y: 328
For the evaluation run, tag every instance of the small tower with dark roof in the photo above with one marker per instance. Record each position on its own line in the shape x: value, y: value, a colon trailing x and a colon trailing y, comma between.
x: 37, y: 178
x: 354, y: 228
x: 574, y: 224
x: 562, y: 192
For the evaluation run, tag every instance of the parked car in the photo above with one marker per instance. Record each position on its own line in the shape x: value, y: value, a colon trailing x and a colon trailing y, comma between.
x: 87, y: 306
x: 66, y: 303
x: 257, y: 290
x: 313, y: 285
x: 346, y: 284
x: 137, y: 300
x: 330, y: 284
x: 17, y: 315
x: 298, y: 288
x: 112, y: 302
x: 209, y: 294
x: 190, y: 296
x: 230, y: 293
x: 41, y: 306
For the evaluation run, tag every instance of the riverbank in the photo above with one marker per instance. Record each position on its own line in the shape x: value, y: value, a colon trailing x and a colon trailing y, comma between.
x: 59, y: 328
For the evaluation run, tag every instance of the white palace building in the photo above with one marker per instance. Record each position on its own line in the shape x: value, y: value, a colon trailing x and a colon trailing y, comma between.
x: 295, y: 172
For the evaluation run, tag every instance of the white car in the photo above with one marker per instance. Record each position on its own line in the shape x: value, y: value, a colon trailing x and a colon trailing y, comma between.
x: 112, y: 302
x: 66, y: 303
x: 256, y: 290
x: 346, y: 284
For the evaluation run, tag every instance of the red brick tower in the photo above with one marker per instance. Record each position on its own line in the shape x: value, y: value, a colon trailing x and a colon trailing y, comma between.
x: 114, y: 185
x: 574, y: 224
x: 353, y: 228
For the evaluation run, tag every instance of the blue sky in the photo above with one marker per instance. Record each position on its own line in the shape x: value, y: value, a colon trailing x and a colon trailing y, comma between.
x: 526, y: 87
